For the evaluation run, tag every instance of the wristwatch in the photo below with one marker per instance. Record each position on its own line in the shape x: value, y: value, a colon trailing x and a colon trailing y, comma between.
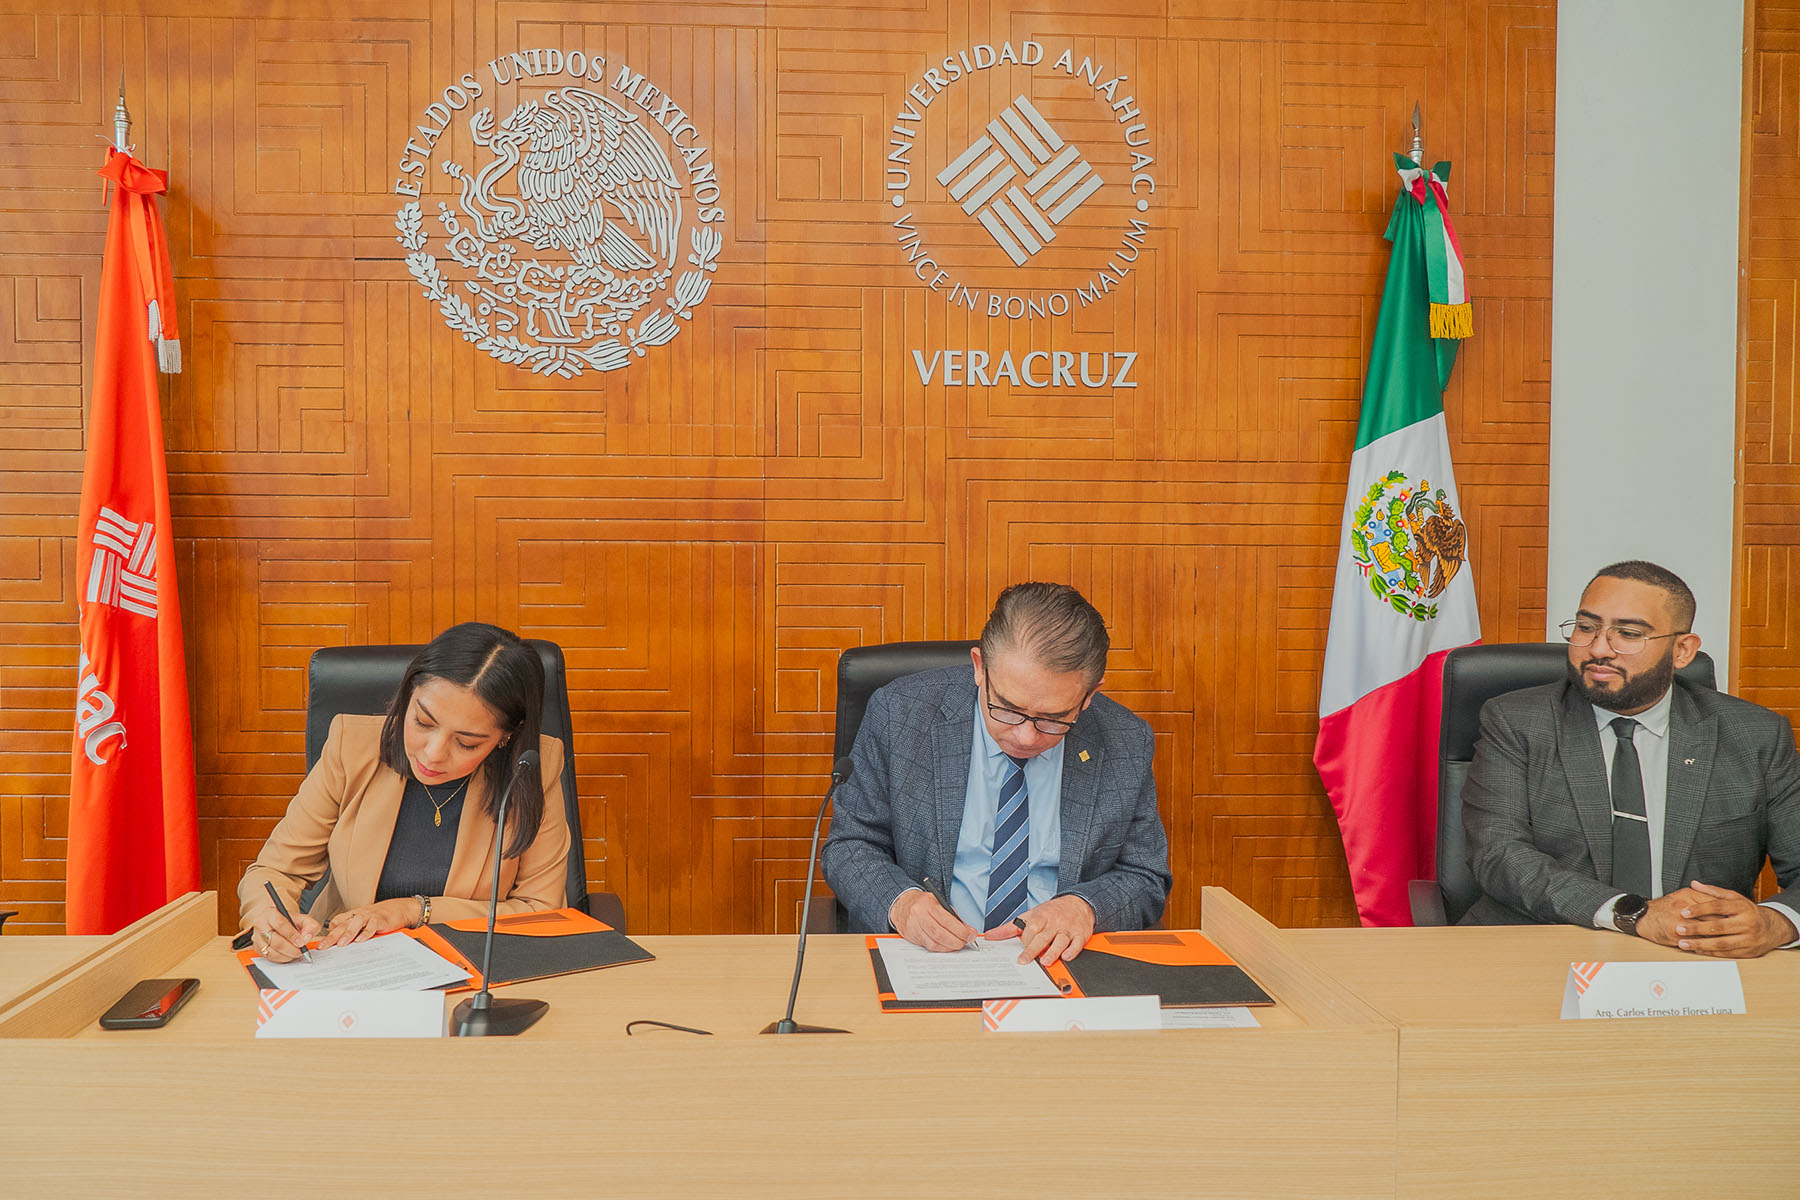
x: 1628, y: 912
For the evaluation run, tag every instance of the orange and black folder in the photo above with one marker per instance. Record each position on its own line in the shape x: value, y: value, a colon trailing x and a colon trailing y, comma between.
x: 534, y: 945
x: 529, y: 945
x: 1180, y: 965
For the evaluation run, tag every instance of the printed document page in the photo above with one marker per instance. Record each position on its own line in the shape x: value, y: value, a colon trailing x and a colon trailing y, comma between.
x: 392, y: 963
x: 985, y: 971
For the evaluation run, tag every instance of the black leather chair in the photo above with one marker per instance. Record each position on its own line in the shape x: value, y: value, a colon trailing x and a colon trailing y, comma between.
x: 1473, y: 675
x: 363, y: 679
x: 3, y: 916
x: 862, y: 669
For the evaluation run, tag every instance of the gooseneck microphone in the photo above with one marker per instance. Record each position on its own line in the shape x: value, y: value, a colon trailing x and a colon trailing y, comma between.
x: 481, y: 1015
x: 840, y: 771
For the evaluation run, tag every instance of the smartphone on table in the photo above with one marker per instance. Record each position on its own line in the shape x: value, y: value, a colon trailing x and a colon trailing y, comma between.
x: 150, y: 1004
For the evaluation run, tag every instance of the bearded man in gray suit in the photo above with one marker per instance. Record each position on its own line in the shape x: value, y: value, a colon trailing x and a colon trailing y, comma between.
x: 1006, y: 798
x: 1626, y: 798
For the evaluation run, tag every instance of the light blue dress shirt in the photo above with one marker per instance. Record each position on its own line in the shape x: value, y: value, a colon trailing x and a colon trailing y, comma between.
x: 988, y: 765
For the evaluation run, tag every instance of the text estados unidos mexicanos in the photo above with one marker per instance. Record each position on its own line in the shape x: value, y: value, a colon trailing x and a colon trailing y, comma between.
x: 576, y: 65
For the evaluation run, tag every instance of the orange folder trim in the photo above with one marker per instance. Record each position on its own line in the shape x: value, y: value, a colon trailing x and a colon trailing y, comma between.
x: 557, y: 923
x: 1164, y: 947
x: 1202, y: 975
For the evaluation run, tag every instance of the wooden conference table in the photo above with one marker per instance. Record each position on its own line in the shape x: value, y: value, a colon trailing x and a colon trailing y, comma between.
x: 1418, y: 1063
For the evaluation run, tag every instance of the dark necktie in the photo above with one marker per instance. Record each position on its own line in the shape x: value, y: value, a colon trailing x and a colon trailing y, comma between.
x: 1012, y: 826
x: 1631, y: 826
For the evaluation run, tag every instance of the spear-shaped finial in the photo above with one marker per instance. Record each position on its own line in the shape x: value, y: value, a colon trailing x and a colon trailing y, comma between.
x: 1418, y: 146
x: 121, y: 120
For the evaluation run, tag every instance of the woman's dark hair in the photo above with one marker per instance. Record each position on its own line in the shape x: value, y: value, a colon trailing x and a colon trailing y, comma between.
x: 506, y: 675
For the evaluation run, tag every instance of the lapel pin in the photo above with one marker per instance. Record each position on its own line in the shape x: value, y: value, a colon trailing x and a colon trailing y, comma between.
x: 1689, y: 762
x: 1084, y: 756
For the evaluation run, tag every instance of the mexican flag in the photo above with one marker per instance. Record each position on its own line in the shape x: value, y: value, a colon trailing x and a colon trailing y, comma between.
x: 1403, y: 596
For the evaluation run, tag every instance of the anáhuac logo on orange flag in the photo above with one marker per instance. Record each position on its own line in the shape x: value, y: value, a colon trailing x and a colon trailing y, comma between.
x: 133, y: 834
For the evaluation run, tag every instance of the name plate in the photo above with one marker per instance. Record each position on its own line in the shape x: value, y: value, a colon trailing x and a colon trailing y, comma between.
x: 335, y: 1014
x: 1071, y: 1015
x: 1602, y: 991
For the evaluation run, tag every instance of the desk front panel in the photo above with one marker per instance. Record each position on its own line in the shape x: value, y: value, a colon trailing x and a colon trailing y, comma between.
x: 1501, y: 1097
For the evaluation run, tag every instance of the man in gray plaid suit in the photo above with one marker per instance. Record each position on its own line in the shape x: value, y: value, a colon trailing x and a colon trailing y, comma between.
x: 1006, y: 797
x: 1626, y: 798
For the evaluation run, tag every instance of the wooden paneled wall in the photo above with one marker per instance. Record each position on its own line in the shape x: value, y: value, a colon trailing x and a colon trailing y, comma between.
x: 706, y: 527
x: 1767, y: 638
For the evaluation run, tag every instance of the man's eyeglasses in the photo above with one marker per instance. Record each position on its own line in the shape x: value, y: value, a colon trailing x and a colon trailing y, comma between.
x: 1044, y: 725
x: 1624, y: 639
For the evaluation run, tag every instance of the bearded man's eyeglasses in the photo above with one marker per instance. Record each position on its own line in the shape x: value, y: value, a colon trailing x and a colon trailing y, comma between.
x: 1625, y: 640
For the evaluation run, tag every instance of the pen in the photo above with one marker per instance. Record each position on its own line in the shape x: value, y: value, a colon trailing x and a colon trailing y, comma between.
x: 1061, y: 987
x: 285, y: 915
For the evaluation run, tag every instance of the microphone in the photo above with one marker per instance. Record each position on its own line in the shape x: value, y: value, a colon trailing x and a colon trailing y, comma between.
x: 840, y: 771
x: 481, y: 1015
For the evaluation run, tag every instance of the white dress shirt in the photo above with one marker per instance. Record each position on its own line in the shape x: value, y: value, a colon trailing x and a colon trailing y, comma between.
x: 1652, y: 742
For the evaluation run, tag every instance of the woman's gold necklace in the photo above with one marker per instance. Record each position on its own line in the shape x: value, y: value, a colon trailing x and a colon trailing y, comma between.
x: 437, y: 817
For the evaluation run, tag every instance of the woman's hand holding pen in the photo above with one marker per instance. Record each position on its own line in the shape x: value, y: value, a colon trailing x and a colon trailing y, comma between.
x: 278, y: 939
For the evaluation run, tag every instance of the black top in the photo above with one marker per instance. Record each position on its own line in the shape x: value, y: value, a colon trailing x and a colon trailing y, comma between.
x: 418, y: 858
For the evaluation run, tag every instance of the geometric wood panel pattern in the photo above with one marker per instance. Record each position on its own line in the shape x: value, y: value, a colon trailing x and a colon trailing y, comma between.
x: 1767, y: 638
x: 705, y: 528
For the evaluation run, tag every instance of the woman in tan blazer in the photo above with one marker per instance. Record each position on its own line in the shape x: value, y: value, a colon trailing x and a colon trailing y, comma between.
x: 400, y: 808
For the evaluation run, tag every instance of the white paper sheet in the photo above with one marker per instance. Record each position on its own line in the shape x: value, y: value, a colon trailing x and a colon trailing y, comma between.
x: 391, y: 963
x: 1209, y: 1018
x: 1076, y: 1015
x: 990, y: 970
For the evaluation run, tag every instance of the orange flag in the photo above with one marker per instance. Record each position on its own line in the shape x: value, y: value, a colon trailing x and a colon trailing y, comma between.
x: 133, y: 832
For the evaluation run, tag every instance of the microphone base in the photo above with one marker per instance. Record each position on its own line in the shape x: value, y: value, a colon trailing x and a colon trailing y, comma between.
x: 501, y: 1018
x: 788, y: 1025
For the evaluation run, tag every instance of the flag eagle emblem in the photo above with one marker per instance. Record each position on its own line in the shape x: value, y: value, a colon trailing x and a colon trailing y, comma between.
x: 1408, y: 543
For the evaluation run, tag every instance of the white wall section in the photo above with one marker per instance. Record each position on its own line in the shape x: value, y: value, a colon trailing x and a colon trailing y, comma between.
x: 1649, y: 106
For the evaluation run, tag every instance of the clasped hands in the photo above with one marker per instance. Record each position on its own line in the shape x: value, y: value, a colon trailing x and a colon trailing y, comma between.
x: 1715, y: 921
x: 1057, y: 928
x: 280, y: 940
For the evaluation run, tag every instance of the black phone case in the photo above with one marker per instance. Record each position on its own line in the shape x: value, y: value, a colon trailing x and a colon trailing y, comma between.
x: 129, y: 1012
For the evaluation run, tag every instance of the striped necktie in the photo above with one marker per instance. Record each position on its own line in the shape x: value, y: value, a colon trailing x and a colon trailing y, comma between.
x: 1006, y: 878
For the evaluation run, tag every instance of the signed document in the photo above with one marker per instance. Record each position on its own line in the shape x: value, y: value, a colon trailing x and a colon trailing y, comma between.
x: 391, y: 963
x: 985, y: 971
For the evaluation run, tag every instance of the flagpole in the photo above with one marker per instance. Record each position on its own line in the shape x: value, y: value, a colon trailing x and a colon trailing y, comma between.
x: 1417, y: 152
x: 121, y: 121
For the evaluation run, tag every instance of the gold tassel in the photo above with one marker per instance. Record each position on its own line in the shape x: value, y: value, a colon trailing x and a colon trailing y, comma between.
x: 1452, y: 320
